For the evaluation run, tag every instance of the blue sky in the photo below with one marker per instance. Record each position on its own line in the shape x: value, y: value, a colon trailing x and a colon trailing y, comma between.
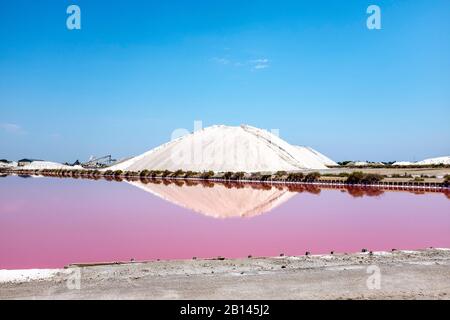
x: 137, y: 70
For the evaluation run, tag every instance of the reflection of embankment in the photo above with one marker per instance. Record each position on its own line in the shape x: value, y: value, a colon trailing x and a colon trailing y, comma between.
x: 232, y: 199
x: 358, y: 192
x: 314, y: 188
x: 447, y: 194
x: 354, y: 191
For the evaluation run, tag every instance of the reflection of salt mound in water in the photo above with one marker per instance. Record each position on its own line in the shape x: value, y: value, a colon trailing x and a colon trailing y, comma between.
x: 224, y: 148
x: 220, y: 201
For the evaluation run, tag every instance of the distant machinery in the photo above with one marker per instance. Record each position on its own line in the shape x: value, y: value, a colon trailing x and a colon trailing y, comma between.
x: 100, y: 162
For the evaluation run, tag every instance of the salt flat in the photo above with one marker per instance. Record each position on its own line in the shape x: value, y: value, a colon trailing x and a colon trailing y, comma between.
x: 403, y: 275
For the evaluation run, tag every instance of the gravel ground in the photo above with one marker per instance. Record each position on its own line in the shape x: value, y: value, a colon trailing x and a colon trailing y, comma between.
x: 385, y: 275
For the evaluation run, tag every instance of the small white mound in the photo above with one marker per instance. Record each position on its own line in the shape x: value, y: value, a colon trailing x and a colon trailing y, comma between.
x: 426, y: 162
x: 223, y: 148
x: 42, y: 165
x: 319, y: 156
x: 432, y: 161
x: 18, y: 276
x: 403, y: 163
x: 359, y: 163
x: 8, y: 165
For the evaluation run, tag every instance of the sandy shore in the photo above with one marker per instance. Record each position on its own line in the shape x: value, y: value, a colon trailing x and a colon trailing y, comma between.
x: 391, y: 275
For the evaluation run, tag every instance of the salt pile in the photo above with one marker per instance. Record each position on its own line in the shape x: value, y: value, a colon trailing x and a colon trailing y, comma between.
x: 439, y: 160
x: 359, y: 163
x: 426, y: 162
x: 402, y: 163
x: 47, y: 165
x: 8, y: 164
x: 319, y: 156
x: 222, y: 148
x: 19, y: 276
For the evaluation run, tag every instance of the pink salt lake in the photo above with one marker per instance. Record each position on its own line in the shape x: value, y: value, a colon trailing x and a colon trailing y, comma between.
x: 50, y: 222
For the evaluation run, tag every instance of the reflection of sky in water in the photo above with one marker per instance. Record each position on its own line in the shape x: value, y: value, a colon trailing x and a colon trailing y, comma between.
x: 51, y: 222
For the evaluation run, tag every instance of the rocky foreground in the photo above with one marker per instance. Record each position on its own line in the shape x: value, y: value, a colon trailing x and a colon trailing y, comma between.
x: 381, y: 275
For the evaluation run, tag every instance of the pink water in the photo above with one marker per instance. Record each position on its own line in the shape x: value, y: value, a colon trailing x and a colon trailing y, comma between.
x: 49, y: 222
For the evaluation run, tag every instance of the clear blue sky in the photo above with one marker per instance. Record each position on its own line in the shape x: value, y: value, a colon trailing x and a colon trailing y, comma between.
x: 137, y: 70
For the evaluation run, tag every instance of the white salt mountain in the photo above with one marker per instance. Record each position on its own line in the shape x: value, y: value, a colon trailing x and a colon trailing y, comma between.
x: 319, y: 156
x: 223, y: 148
